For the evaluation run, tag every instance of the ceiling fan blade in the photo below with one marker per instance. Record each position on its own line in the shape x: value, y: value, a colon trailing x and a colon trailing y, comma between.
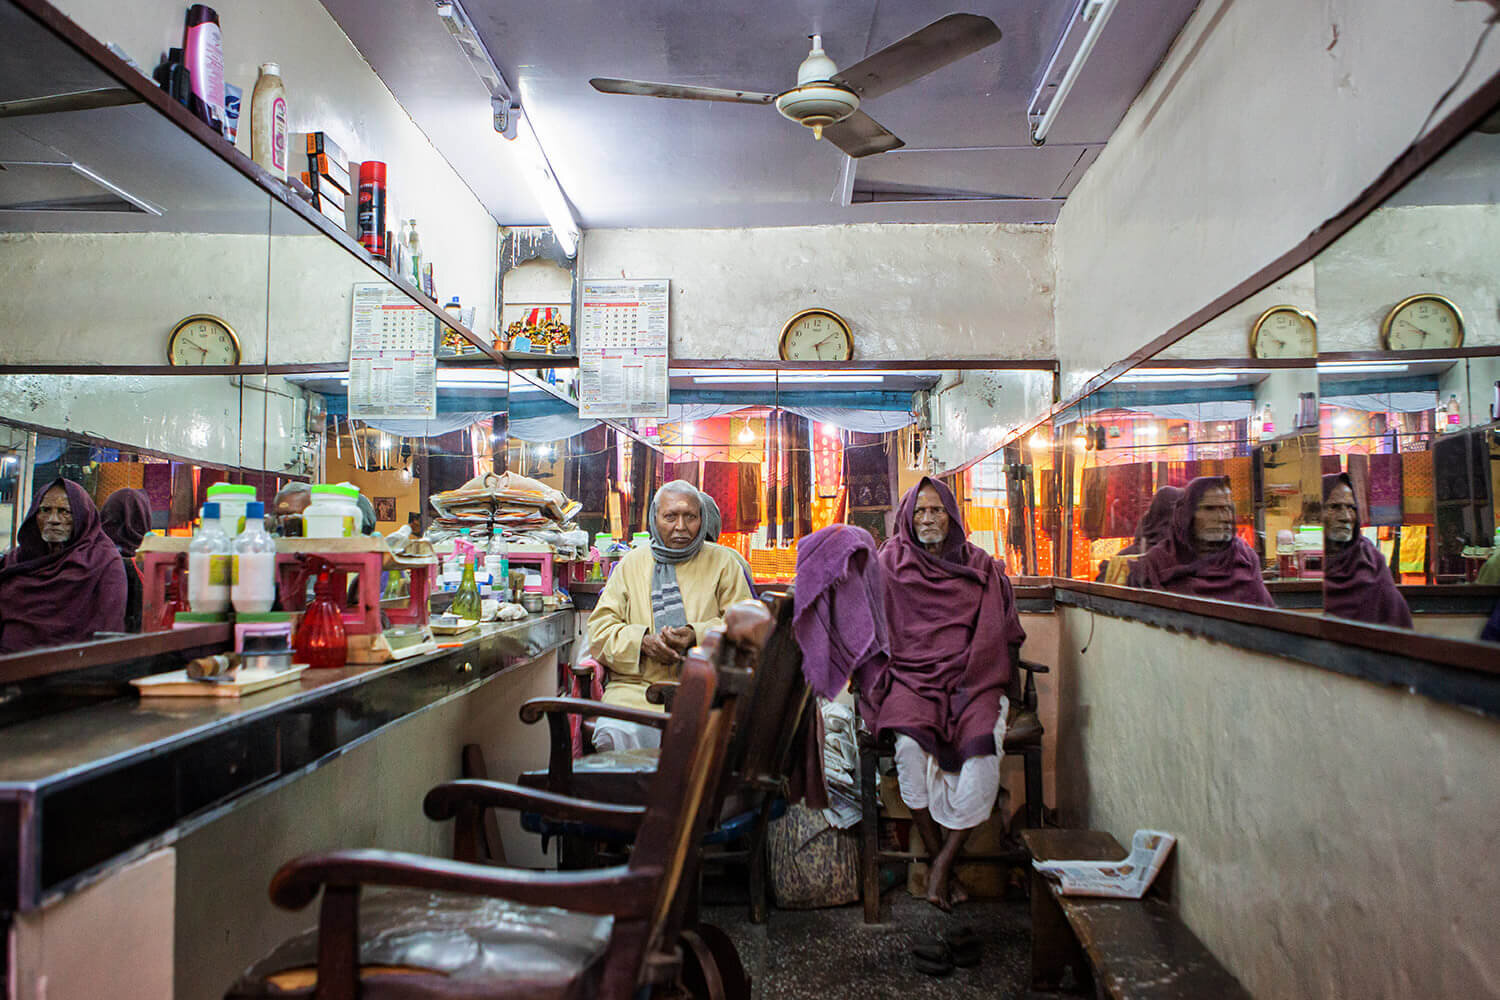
x: 639, y: 88
x: 946, y: 40
x: 860, y: 135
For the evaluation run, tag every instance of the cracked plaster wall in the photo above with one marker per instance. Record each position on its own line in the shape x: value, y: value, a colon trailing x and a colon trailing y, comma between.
x: 1336, y: 838
x: 1212, y: 174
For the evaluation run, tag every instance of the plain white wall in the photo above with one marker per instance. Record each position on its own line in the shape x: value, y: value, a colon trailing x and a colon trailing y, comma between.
x: 908, y: 291
x: 1336, y: 838
x: 1264, y: 120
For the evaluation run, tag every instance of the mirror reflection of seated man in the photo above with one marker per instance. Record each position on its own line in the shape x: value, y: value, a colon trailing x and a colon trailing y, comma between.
x: 954, y: 633
x: 1155, y: 525
x: 660, y: 601
x: 126, y: 519
x: 1201, y: 555
x: 1356, y: 582
x: 64, y: 580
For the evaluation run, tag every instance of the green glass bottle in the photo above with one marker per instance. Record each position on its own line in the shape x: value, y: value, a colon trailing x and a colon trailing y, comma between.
x: 466, y: 600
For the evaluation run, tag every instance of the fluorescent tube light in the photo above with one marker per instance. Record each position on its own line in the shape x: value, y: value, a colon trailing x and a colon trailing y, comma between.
x: 516, y: 126
x: 1157, y: 377
x: 545, y: 187
x: 1345, y: 367
x: 1095, y: 13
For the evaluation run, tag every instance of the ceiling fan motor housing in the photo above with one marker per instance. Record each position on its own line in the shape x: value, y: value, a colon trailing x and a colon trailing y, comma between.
x: 817, y: 101
x: 818, y: 105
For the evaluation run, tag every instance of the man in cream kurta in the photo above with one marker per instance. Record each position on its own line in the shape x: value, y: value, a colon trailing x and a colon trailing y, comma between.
x: 624, y: 634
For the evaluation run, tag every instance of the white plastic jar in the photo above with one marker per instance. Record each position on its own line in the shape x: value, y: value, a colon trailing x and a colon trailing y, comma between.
x: 232, y: 500
x: 333, y: 513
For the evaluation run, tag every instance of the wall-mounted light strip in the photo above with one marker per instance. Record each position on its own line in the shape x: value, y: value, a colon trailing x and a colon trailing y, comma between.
x: 1053, y: 89
x: 511, y: 121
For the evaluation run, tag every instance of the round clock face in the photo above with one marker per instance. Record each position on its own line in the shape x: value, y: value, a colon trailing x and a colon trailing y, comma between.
x: 203, y: 340
x: 1423, y: 323
x: 1284, y: 332
x: 816, y: 335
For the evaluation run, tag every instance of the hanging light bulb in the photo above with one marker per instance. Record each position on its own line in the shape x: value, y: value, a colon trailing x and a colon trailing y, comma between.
x: 1039, y: 439
x: 1081, y: 439
x: 544, y: 451
x: 746, y: 435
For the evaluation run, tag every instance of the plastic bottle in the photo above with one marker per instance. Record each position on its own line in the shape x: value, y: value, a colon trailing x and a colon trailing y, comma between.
x: 1267, y: 423
x: 268, y: 139
x: 209, y: 565
x: 1455, y: 414
x: 497, y: 561
x: 252, y: 587
x: 203, y: 55
x: 414, y: 253
x: 466, y: 600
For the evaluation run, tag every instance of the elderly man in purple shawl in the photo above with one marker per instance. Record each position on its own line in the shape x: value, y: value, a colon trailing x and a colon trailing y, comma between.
x: 63, y: 581
x: 1202, y: 556
x: 1356, y: 582
x: 954, y: 633
x: 1155, y: 525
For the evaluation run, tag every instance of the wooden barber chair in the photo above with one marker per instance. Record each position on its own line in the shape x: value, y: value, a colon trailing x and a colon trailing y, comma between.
x: 457, y: 929
x: 763, y: 746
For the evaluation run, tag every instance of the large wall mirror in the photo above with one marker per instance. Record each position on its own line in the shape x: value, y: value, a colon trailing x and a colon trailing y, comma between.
x: 1409, y: 374
x: 119, y: 229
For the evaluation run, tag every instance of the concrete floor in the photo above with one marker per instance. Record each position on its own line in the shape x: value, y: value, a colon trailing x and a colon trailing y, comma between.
x: 834, y: 955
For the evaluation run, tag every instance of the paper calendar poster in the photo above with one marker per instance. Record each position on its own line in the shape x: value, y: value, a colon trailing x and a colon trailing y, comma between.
x: 392, y: 367
x: 622, y: 348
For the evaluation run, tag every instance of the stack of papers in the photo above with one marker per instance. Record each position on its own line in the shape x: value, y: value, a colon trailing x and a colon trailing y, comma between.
x: 513, y: 501
x: 840, y: 765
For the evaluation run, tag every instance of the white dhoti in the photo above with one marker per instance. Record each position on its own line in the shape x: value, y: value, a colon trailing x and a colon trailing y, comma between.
x: 615, y: 734
x: 957, y: 801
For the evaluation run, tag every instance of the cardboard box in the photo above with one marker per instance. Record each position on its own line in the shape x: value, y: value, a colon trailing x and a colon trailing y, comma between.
x: 319, y: 142
x: 322, y: 166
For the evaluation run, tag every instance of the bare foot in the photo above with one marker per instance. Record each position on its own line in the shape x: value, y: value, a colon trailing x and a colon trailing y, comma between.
x: 939, y: 892
x: 956, y: 891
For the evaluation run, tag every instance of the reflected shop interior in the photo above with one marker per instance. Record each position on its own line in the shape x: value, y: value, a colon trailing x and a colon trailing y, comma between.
x: 1283, y: 508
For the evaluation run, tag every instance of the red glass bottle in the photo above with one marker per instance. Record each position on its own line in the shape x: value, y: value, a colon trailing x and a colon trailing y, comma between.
x: 320, y: 641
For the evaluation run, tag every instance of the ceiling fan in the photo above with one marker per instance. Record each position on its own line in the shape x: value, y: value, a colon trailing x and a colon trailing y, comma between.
x: 826, y: 99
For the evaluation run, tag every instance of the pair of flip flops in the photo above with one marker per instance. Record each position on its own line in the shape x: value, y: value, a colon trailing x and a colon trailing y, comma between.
x: 939, y: 956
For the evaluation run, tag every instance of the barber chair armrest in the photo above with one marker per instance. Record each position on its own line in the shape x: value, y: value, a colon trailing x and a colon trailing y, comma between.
x: 1034, y: 668
x: 662, y: 693
x: 445, y: 801
x: 605, y: 891
x: 538, y: 707
x: 584, y: 668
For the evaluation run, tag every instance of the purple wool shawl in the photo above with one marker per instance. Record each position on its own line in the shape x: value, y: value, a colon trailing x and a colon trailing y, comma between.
x: 1356, y: 582
x: 952, y: 619
x: 839, y: 619
x: 1231, y: 574
x: 54, y: 598
x: 126, y: 517
x: 1156, y: 524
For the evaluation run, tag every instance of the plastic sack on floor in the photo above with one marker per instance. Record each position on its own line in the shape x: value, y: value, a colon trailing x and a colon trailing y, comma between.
x: 812, y: 863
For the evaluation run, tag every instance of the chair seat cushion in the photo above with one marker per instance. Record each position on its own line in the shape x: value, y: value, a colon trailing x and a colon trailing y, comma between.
x: 617, y: 776
x: 1024, y: 730
x: 416, y: 944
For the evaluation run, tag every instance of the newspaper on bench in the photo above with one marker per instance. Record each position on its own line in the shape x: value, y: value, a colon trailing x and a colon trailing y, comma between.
x: 1126, y: 879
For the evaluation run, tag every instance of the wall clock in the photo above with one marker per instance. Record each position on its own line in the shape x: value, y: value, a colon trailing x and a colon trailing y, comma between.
x: 1423, y: 322
x: 203, y: 340
x: 1284, y: 332
x: 816, y: 335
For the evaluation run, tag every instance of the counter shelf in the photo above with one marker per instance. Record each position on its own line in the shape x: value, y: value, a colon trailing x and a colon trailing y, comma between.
x: 363, y: 556
x: 90, y: 789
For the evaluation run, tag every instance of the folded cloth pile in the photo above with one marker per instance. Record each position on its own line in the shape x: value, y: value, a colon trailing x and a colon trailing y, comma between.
x: 515, y: 502
x: 840, y: 765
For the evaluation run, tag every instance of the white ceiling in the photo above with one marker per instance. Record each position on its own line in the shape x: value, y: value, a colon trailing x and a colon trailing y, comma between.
x: 638, y: 161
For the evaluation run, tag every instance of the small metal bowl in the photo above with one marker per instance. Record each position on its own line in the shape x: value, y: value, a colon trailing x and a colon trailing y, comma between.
x: 531, y: 602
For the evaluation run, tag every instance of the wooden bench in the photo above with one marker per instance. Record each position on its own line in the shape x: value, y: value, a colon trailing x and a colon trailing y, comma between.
x: 1130, y: 948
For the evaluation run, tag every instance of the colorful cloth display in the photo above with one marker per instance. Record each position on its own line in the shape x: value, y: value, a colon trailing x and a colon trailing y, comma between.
x: 1417, y: 487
